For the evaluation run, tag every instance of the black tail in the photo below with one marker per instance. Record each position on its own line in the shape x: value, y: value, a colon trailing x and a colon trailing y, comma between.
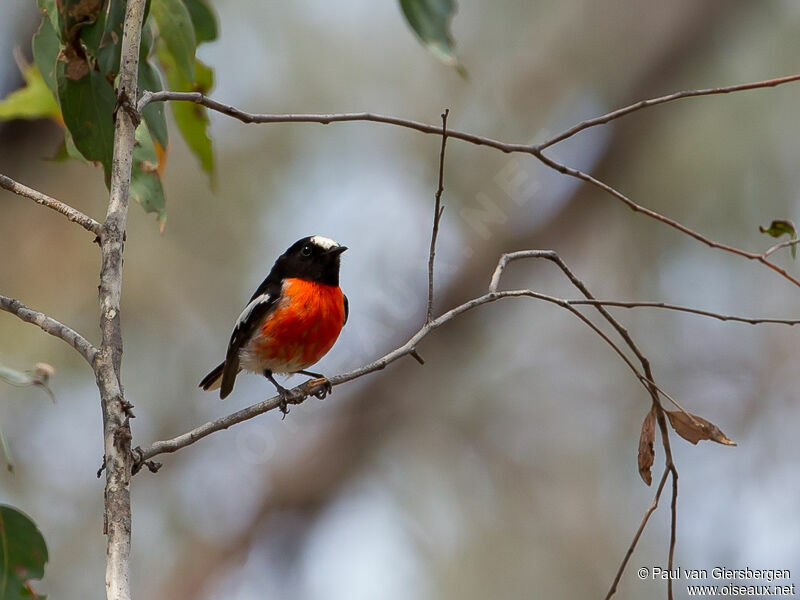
x: 212, y: 380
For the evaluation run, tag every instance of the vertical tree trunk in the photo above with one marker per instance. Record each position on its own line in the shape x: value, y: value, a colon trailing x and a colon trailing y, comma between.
x: 116, y: 411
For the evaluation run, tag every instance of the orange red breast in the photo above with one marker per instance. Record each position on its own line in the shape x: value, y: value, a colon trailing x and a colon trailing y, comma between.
x: 302, y: 328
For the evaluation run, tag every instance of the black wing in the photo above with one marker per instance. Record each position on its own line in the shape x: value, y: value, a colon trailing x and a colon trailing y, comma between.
x: 253, y: 314
x: 346, y: 309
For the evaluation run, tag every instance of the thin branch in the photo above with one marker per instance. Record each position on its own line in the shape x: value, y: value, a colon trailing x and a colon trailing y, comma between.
x: 673, y: 527
x: 621, y: 112
x: 532, y: 149
x: 325, y: 119
x: 72, y: 214
x: 51, y: 326
x: 648, y: 380
x: 670, y: 466
x: 651, y: 509
x: 248, y: 117
x: 659, y: 217
x: 437, y: 215
x: 778, y: 246
x: 309, y: 388
x: 553, y: 257
x: 686, y: 309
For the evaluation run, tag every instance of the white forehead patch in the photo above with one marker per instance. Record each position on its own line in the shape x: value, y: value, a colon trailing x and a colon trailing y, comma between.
x: 324, y: 243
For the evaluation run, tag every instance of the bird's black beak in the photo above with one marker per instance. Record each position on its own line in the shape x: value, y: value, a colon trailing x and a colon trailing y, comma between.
x: 336, y: 251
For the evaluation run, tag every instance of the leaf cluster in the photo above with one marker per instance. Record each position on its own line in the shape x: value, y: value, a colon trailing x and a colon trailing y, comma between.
x: 76, y: 52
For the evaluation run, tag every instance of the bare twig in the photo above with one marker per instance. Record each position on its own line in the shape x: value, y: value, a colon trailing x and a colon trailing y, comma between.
x: 72, y: 214
x: 532, y: 149
x: 437, y: 215
x: 659, y: 217
x: 553, y: 256
x: 248, y: 117
x: 778, y: 246
x: 325, y: 119
x: 670, y: 466
x: 648, y: 380
x: 686, y: 309
x: 621, y: 112
x: 409, y: 348
x: 51, y: 326
x: 651, y: 509
x: 673, y: 527
x: 116, y: 410
x: 307, y: 389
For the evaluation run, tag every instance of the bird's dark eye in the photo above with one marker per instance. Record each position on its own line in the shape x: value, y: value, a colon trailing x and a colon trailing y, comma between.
x: 306, y: 250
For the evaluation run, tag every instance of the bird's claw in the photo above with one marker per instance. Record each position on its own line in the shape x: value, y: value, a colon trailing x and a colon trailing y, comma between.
x: 320, y: 387
x: 284, y: 397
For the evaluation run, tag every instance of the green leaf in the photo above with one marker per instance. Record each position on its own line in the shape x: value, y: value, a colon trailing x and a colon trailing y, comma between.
x: 70, y: 147
x: 108, y: 53
x: 191, y: 119
x: 74, y: 15
x: 150, y: 80
x: 45, y: 52
x: 23, y: 554
x: 34, y: 101
x: 430, y: 20
x: 176, y: 29
x: 87, y: 106
x: 203, y: 19
x: 782, y: 227
x: 6, y: 452
x: 92, y: 35
x: 66, y: 150
x: 148, y: 41
x: 48, y: 8
x: 146, y: 188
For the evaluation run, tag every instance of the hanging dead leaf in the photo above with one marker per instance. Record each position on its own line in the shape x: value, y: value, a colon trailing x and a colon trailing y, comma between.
x: 646, y: 452
x: 693, y: 428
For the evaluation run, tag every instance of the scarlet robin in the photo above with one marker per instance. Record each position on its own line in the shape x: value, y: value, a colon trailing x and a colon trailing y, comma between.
x: 292, y: 320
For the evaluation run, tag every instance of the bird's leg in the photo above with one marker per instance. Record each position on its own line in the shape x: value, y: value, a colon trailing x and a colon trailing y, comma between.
x: 285, y: 395
x: 327, y: 388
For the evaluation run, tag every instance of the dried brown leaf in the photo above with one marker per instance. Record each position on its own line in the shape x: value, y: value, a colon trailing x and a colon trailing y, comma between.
x: 646, y: 452
x: 77, y: 66
x: 693, y: 428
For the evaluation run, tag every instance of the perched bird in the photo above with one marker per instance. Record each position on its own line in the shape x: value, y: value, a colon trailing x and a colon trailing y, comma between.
x: 291, y: 321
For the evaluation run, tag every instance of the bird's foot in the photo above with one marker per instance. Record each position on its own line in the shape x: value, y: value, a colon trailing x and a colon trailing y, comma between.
x: 319, y: 387
x: 285, y: 397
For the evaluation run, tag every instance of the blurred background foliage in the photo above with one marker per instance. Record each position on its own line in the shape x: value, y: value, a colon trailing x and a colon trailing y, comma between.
x: 506, y: 466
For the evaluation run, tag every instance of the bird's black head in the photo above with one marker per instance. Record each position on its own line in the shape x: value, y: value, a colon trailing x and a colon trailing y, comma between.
x: 314, y: 258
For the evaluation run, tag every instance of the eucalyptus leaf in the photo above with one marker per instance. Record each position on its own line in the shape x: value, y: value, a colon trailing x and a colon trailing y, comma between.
x: 146, y: 188
x: 75, y: 15
x: 430, y: 20
x: 48, y: 8
x: 45, y: 53
x: 108, y: 54
x: 23, y: 555
x: 87, y: 105
x: 191, y: 119
x: 203, y: 19
x: 150, y: 80
x: 92, y: 35
x: 176, y: 30
x: 34, y: 101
